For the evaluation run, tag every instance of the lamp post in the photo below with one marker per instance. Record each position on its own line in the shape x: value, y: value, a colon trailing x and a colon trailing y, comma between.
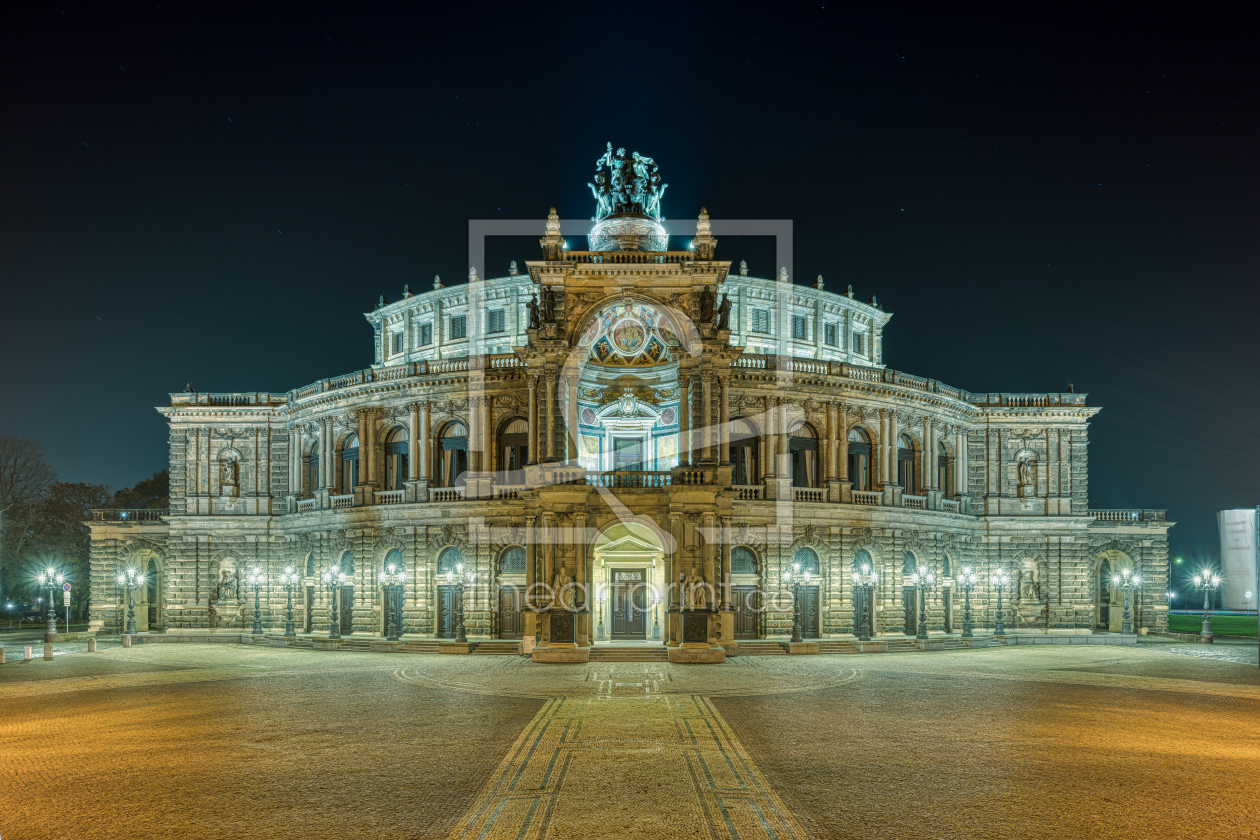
x: 289, y: 579
x: 459, y: 577
x: 864, y: 582
x: 392, y: 580
x: 966, y: 581
x: 1127, y: 581
x: 51, y: 578
x: 999, y: 581
x: 129, y: 580
x: 656, y: 615
x: 256, y: 579
x: 601, y: 597
x: 796, y: 579
x: 1206, y: 581
x: 334, y: 579
x: 923, y: 580
x: 9, y: 606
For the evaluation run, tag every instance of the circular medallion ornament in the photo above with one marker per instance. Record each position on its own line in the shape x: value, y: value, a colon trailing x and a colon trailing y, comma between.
x: 628, y: 337
x: 667, y: 332
x: 588, y: 417
x: 668, y: 416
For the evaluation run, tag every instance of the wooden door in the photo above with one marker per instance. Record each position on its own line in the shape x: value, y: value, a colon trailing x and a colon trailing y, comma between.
x: 909, y: 599
x: 745, y: 603
x: 809, y: 612
x: 345, y: 609
x: 629, y: 610
x: 445, y: 612
x: 511, y: 617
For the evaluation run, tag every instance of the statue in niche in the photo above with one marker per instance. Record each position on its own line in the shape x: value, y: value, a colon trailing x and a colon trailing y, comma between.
x: 1025, y: 471
x: 227, y: 586
x: 548, y: 305
x: 229, y: 474
x: 532, y: 306
x: 724, y: 313
x: 707, y: 298
x: 695, y: 596
x: 562, y: 588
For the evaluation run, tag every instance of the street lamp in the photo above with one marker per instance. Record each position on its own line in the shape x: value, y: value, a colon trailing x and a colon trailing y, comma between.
x: 256, y: 579
x: 1206, y: 581
x: 656, y: 615
x: 966, y: 581
x: 459, y: 577
x: 334, y: 579
x: 9, y: 606
x: 1127, y: 581
x: 51, y: 578
x: 392, y: 580
x: 601, y: 598
x: 999, y: 581
x: 923, y: 580
x: 863, y: 585
x: 796, y: 578
x: 290, y: 580
x: 129, y: 580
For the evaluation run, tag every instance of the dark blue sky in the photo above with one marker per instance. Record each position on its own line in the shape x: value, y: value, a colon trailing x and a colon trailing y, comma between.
x: 216, y: 192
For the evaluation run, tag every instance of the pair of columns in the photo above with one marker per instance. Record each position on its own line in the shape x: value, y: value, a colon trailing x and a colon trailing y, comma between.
x: 710, y: 435
x: 715, y: 558
x: 547, y: 388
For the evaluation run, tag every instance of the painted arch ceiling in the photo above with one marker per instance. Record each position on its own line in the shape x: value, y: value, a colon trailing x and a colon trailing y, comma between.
x: 629, y: 333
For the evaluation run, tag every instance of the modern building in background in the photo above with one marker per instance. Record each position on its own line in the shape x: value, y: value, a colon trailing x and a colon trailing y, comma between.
x: 624, y: 419
x: 1238, y: 558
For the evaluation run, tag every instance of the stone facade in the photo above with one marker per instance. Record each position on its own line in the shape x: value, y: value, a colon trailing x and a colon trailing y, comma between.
x: 662, y: 417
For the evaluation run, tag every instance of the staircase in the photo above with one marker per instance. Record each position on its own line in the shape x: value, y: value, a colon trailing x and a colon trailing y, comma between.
x: 837, y: 646
x: 635, y: 653
x: 761, y: 647
x: 498, y: 647
x: 419, y: 646
x: 902, y: 645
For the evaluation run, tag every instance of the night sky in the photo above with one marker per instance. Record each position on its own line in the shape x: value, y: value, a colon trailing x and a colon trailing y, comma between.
x: 216, y: 192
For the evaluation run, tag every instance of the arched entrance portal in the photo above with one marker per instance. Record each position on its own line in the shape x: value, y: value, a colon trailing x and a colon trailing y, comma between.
x: 630, y: 581
x: 148, y: 598
x: 1108, y: 599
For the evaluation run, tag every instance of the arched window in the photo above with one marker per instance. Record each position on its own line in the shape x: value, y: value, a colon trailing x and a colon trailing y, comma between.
x: 743, y: 561
x: 449, y: 559
x: 312, y: 470
x: 743, y: 454
x: 860, y: 459
x: 310, y: 564
x: 905, y: 464
x: 947, y: 569
x: 803, y: 452
x: 349, y: 464
x: 394, y: 559
x: 512, y: 561
x: 862, y: 559
x: 454, y: 454
x: 346, y: 563
x: 808, y: 559
x: 397, y: 454
x: 514, y: 445
x: 908, y: 564
x: 942, y: 469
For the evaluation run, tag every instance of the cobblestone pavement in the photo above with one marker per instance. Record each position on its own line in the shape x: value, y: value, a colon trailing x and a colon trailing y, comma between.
x: 233, y: 741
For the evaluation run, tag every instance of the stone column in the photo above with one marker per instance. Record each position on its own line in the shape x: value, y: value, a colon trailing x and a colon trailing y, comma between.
x: 724, y: 421
x: 571, y: 419
x: 842, y: 457
x: 532, y: 415
x: 885, y: 429
x: 474, y: 432
x: 929, y: 456
x: 426, y: 445
x: 684, y: 418
x: 414, y: 453
x: 960, y: 463
x: 706, y: 414
x: 295, y: 469
x: 675, y: 559
x: 828, y: 444
x: 763, y: 465
x: 579, y: 544
x: 531, y: 558
x: 488, y: 446
x: 711, y: 568
x: 325, y: 462
x: 363, y: 448
x: 770, y: 445
x: 781, y: 427
x: 370, y: 455
x: 551, y: 412
x: 726, y: 563
x: 549, y: 549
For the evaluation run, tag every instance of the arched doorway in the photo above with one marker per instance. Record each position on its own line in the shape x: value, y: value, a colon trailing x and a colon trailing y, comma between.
x: 397, y: 455
x: 449, y: 560
x: 906, y: 473
x: 745, y: 592
x: 803, y: 452
x: 810, y: 606
x: 629, y: 572
x: 393, y: 602
x: 1109, y: 599
x: 909, y: 594
x: 345, y: 600
x: 743, y: 453
x: 859, y: 459
x: 512, y: 592
x: 147, y: 599
x: 454, y: 459
x: 514, y: 447
x: 862, y: 607
x: 349, y: 464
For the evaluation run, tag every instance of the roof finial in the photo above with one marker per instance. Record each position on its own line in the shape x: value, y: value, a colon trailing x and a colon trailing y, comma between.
x: 406, y: 290
x: 783, y: 275
x: 512, y: 270
x: 743, y: 268
x: 818, y: 284
x: 849, y: 293
x: 437, y: 282
x: 472, y: 274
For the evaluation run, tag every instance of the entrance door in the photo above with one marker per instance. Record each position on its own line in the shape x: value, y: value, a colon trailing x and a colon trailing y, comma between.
x: 310, y: 607
x: 809, y: 612
x: 393, y: 609
x: 745, y: 603
x: 345, y: 608
x: 909, y: 599
x: 511, y: 618
x: 628, y: 454
x: 445, y: 612
x: 629, y: 604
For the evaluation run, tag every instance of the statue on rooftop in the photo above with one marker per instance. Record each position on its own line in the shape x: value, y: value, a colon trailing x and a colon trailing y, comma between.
x: 548, y: 305
x: 724, y: 313
x: 532, y: 306
x: 632, y: 185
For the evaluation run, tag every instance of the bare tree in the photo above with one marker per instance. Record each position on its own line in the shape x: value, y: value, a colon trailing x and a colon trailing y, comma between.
x: 24, y: 476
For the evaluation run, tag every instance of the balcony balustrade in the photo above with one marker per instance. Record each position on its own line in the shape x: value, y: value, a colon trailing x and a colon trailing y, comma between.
x: 868, y: 497
x: 749, y: 492
x: 389, y: 497
x: 1128, y: 515
x: 130, y: 515
x: 914, y: 502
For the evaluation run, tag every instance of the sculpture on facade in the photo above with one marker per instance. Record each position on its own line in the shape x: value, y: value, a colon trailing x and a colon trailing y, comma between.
x: 562, y: 587
x: 532, y: 306
x: 724, y: 313
x: 227, y: 586
x: 1025, y: 471
x: 632, y: 185
x: 548, y: 305
x: 229, y: 473
x: 707, y: 297
x: 695, y: 597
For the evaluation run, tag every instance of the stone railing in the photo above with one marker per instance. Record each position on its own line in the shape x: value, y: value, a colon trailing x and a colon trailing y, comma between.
x: 234, y: 399
x: 750, y: 362
x: 446, y: 494
x: 1025, y: 400
x: 687, y: 475
x: 868, y: 497
x: 389, y: 497
x: 914, y: 502
x: 808, y: 495
x: 341, y: 502
x: 748, y: 492
x: 949, y: 506
x: 805, y: 366
x: 307, y: 505
x: 863, y: 373
x: 130, y: 515
x: 509, y: 491
x: 1128, y: 515
x: 621, y: 257
x: 499, y: 361
x: 628, y: 478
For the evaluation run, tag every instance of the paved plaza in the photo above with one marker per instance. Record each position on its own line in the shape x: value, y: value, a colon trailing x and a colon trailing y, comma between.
x: 228, y: 741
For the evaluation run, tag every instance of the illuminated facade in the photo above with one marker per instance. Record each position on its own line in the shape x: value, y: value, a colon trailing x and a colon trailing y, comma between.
x: 625, y: 419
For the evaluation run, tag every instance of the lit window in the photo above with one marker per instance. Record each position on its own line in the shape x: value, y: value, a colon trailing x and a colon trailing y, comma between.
x: 760, y: 321
x: 495, y: 321
x: 798, y: 326
x: 459, y: 327
x: 426, y: 335
x: 830, y: 335
x: 859, y: 344
x: 397, y: 342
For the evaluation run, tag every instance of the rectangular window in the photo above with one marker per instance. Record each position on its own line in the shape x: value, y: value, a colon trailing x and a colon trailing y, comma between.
x: 426, y: 335
x: 830, y: 335
x: 859, y: 344
x: 798, y: 326
x: 495, y: 321
x: 459, y: 326
x: 397, y: 342
x: 760, y: 321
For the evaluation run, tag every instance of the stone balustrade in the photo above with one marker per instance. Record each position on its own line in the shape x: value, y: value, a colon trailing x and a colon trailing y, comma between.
x: 130, y: 515
x: 868, y: 497
x: 389, y: 497
x: 341, y: 502
x: 914, y: 502
x: 748, y: 492
x: 1128, y: 515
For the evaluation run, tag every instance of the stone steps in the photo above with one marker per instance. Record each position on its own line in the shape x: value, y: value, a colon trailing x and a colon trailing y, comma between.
x: 628, y: 654
x: 761, y: 647
x: 419, y: 646
x: 497, y: 647
x: 834, y: 646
